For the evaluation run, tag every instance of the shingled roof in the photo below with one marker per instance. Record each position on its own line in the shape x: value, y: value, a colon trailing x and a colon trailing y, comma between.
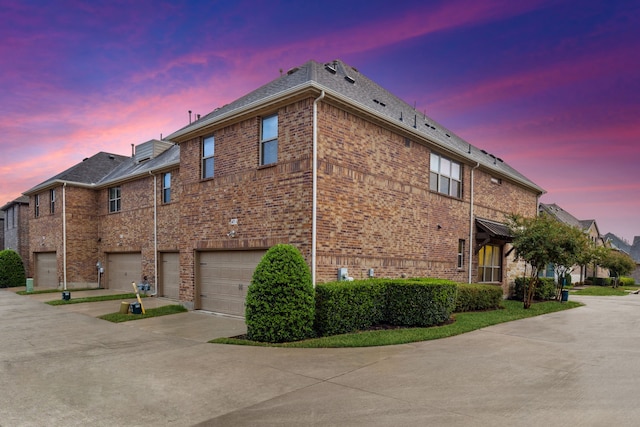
x: 347, y: 85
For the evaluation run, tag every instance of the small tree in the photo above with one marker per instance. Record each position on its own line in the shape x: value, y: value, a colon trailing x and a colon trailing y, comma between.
x: 618, y: 263
x: 280, y: 304
x: 11, y: 269
x: 543, y: 240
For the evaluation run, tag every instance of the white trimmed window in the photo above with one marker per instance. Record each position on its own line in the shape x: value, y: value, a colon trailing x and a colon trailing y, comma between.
x: 460, y: 263
x: 490, y: 264
x: 269, y: 140
x: 208, y: 151
x: 166, y: 187
x: 114, y: 199
x: 52, y: 200
x: 445, y: 176
x: 36, y: 205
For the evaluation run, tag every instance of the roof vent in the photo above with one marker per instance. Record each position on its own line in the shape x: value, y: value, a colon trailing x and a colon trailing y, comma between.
x: 111, y: 156
x: 330, y: 68
x: 293, y: 70
x: 350, y: 79
x: 484, y: 152
x: 448, y: 136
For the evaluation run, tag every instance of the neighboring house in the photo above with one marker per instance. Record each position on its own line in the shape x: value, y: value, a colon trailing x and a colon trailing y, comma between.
x: 16, y: 229
x: 590, y: 228
x: 632, y: 250
x: 321, y: 158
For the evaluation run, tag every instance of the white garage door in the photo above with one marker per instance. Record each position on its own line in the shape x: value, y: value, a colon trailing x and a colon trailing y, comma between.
x: 122, y: 269
x: 224, y: 278
x: 169, y: 275
x: 46, y: 270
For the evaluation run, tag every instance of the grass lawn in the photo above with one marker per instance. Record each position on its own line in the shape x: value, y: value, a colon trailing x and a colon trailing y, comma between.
x: 150, y: 312
x: 605, y: 291
x: 51, y: 291
x: 93, y: 299
x: 464, y: 322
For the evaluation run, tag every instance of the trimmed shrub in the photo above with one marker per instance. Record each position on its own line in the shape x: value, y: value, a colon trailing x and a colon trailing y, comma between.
x: 545, y: 289
x: 419, y: 304
x: 477, y: 297
x: 600, y: 281
x: 11, y: 269
x: 627, y: 281
x: 280, y: 304
x: 343, y: 307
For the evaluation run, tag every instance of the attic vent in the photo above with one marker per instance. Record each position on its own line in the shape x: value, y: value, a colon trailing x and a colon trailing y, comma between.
x: 85, y: 159
x: 350, y: 79
x: 483, y: 151
x: 293, y: 70
x: 448, y: 136
x: 380, y: 103
x: 330, y: 68
x: 111, y: 156
x: 500, y: 160
x: 433, y: 127
x: 407, y: 142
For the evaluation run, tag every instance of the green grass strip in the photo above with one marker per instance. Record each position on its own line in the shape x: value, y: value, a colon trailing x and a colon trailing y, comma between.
x: 51, y: 291
x: 150, y: 312
x: 601, y: 291
x: 464, y: 322
x: 93, y: 299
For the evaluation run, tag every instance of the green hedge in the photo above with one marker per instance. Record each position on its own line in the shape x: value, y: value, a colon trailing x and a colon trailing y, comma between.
x: 600, y: 281
x: 11, y: 269
x: 627, y: 281
x: 476, y: 297
x: 545, y: 289
x: 418, y: 303
x: 343, y: 307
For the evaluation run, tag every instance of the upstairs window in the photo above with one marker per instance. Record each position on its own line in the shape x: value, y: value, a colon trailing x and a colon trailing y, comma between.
x: 208, y: 151
x: 166, y: 187
x: 269, y: 140
x: 114, y: 199
x: 36, y: 205
x: 52, y: 200
x: 445, y: 176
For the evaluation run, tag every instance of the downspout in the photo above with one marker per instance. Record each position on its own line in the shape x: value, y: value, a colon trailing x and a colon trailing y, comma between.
x: 64, y: 236
x: 314, y: 212
x: 155, y: 232
x: 471, y: 223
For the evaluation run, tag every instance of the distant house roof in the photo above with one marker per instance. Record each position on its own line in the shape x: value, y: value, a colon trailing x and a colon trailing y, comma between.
x: 346, y: 85
x: 564, y: 216
x: 22, y: 200
x: 106, y: 168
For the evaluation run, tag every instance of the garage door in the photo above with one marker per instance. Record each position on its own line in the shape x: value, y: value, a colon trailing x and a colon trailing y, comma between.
x: 224, y: 278
x: 46, y: 270
x: 122, y: 269
x: 169, y: 275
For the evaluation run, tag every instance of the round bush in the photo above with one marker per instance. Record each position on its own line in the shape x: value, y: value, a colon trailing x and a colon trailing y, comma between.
x: 280, y: 304
x: 11, y: 269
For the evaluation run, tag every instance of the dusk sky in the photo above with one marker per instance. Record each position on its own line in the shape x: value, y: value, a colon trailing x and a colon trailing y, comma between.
x: 550, y: 86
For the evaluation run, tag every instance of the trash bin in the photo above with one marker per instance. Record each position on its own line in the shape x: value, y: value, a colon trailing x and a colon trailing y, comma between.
x: 124, y: 307
x: 136, y: 308
x: 29, y: 285
x: 66, y: 295
x: 565, y: 296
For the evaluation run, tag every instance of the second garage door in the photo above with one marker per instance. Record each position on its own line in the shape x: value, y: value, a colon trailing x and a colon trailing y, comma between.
x: 224, y: 278
x: 46, y: 270
x: 170, y: 275
x: 122, y: 269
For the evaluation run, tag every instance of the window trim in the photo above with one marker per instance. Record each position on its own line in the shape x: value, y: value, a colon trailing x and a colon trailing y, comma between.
x: 115, y: 201
x: 496, y: 270
x: 460, y: 257
x: 264, y: 141
x: 52, y: 201
x: 205, y: 158
x: 166, y: 189
x: 36, y: 205
x: 436, y: 176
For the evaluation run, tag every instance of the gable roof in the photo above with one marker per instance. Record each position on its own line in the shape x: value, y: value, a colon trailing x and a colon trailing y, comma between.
x: 346, y: 85
x: 566, y: 218
x: 106, y: 168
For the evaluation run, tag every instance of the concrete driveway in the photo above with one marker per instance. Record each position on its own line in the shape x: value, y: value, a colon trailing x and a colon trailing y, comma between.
x: 65, y: 368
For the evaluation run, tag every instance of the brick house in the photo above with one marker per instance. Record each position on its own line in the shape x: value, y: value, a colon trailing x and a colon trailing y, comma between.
x: 590, y: 228
x: 321, y: 158
x: 16, y: 229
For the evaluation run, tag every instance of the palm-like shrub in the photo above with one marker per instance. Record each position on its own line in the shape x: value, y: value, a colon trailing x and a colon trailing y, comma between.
x: 280, y: 304
x: 11, y: 269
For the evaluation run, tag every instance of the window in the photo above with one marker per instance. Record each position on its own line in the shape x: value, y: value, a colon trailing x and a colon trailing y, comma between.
x: 460, y: 254
x: 208, y: 150
x: 269, y: 140
x: 550, y: 271
x: 445, y: 176
x: 114, y: 199
x: 36, y: 205
x: 490, y: 264
x: 166, y: 187
x: 52, y: 200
